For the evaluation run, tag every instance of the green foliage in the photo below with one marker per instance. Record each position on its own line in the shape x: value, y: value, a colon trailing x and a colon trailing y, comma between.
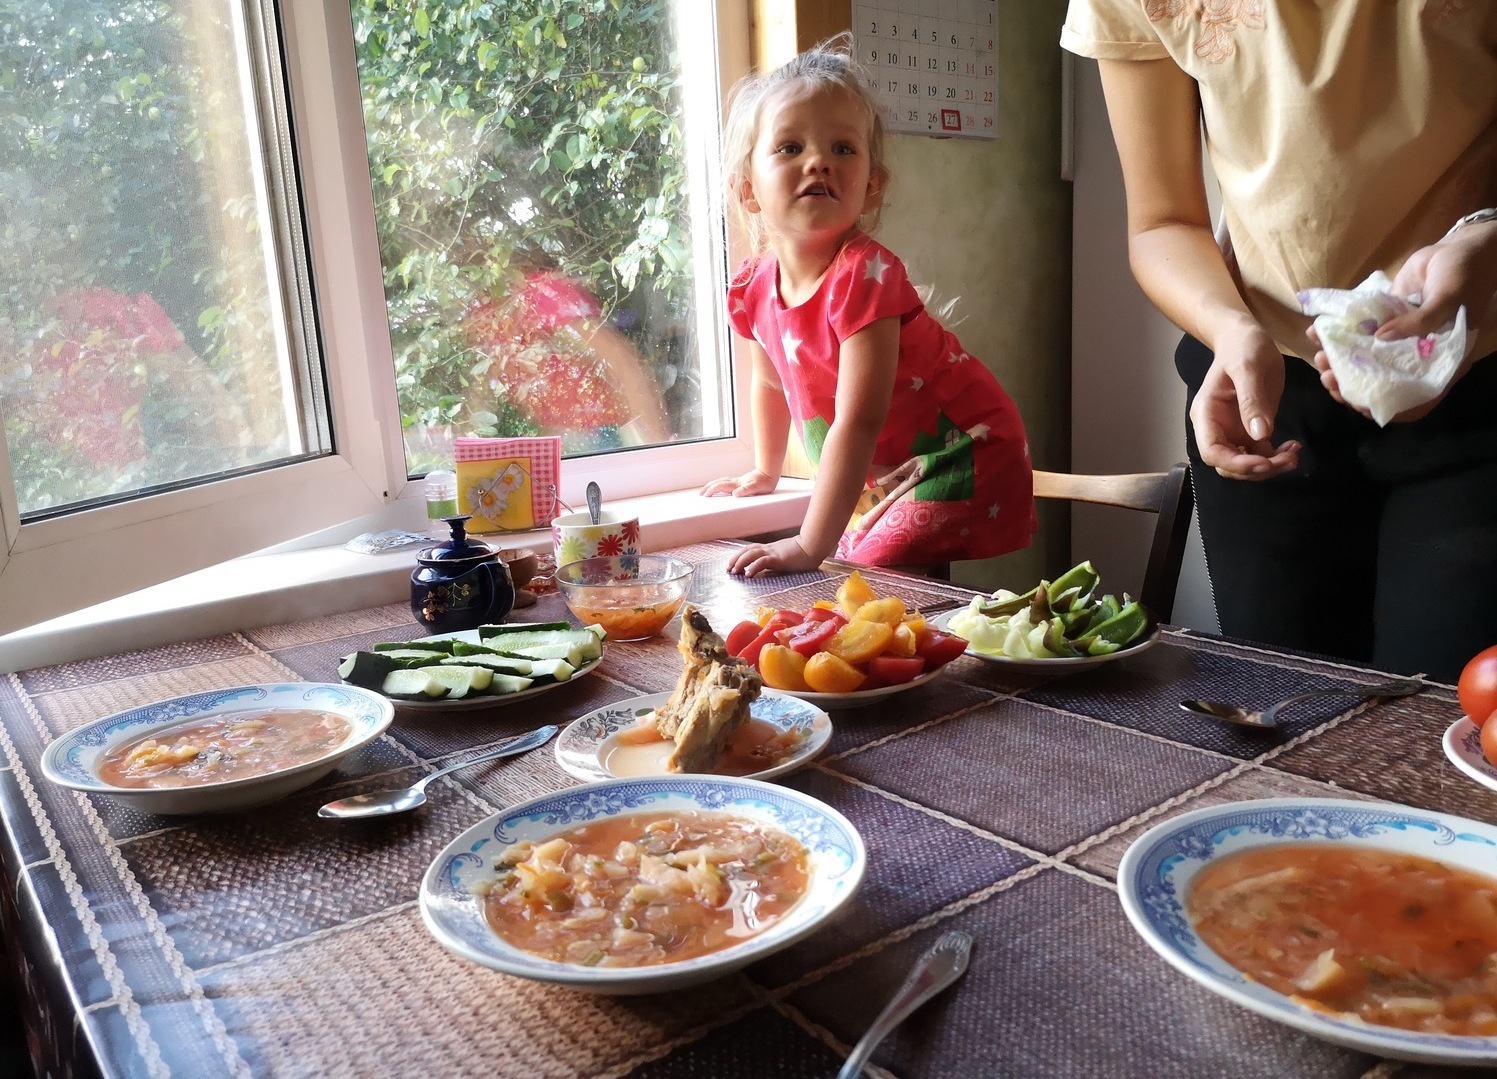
x: 103, y: 129
x: 508, y: 137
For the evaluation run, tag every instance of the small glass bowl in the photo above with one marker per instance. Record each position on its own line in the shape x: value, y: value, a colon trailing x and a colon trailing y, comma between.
x: 631, y: 596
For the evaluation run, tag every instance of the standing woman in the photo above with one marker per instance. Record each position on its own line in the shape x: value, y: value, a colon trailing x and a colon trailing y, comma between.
x: 1348, y: 136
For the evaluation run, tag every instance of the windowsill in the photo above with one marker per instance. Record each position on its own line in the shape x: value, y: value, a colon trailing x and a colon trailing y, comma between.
x: 317, y: 576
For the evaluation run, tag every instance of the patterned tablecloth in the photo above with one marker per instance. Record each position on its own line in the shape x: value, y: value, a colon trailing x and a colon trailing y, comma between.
x: 272, y: 942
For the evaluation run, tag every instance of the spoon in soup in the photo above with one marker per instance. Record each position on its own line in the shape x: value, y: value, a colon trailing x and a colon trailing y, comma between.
x: 385, y: 803
x: 1269, y: 717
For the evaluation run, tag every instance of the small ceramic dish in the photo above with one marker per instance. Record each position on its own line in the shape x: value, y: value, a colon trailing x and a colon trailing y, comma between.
x: 453, y: 908
x: 586, y: 747
x: 1158, y: 868
x: 74, y: 759
x: 1463, y: 746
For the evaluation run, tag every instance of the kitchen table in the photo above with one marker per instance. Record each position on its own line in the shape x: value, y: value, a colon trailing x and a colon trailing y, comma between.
x: 273, y: 943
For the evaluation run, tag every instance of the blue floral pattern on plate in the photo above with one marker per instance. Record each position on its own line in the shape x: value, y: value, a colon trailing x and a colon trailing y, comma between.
x: 452, y: 906
x: 1158, y: 868
x: 581, y: 744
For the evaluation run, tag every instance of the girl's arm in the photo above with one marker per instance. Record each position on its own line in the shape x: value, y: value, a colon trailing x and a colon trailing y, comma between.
x: 1155, y: 113
x: 866, y: 366
x: 771, y: 419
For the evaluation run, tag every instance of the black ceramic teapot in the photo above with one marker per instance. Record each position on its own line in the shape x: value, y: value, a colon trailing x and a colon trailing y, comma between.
x: 460, y: 584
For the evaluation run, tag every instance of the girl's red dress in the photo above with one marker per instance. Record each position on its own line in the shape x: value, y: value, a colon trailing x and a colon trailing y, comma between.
x: 969, y: 490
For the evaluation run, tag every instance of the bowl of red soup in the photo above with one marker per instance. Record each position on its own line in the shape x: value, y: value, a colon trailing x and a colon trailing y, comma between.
x: 642, y: 885
x: 220, y: 750
x: 1368, y: 924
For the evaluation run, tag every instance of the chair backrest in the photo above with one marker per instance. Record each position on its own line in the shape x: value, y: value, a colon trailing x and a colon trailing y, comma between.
x: 1167, y: 494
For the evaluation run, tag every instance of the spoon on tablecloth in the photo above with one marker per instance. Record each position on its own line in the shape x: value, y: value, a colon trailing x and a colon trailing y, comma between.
x: 943, y: 963
x: 1269, y: 717
x: 384, y: 803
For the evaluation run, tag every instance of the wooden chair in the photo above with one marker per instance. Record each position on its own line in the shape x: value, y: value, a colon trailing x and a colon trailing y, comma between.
x: 1167, y: 494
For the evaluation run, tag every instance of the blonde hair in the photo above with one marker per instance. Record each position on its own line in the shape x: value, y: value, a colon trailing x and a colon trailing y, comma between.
x: 826, y: 66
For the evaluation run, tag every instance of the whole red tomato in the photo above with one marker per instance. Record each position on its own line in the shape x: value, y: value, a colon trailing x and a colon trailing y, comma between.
x: 1478, y: 686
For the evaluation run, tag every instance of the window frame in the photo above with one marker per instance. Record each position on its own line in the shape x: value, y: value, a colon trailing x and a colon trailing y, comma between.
x: 54, y: 566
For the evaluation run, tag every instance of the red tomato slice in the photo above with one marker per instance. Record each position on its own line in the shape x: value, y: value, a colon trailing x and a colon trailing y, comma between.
x: 893, y: 671
x: 824, y: 614
x: 754, y: 647
x: 740, y: 635
x: 783, y: 619
x: 808, y: 638
x: 939, y: 649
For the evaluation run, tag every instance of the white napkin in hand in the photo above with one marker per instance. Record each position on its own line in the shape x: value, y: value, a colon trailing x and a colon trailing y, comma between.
x: 1384, y: 377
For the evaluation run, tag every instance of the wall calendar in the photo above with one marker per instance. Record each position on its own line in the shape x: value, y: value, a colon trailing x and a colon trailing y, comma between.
x: 932, y: 64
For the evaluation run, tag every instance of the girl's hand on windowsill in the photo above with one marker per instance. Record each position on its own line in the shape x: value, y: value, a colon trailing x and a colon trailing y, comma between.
x: 753, y: 482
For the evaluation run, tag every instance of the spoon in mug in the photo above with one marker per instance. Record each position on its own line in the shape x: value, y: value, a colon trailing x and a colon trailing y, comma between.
x: 385, y: 803
x: 594, y: 501
x: 1269, y: 717
x: 943, y: 963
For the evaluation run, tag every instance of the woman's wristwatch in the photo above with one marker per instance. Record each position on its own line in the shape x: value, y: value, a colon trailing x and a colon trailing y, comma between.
x: 1473, y: 218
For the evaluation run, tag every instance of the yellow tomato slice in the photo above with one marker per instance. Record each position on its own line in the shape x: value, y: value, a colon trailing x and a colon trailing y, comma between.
x: 889, y: 610
x: 854, y: 593
x: 782, y: 667
x: 905, y: 642
x: 860, y: 641
x: 826, y: 673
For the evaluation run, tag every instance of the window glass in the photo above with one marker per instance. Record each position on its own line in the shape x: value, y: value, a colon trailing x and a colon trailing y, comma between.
x: 143, y: 341
x: 537, y: 190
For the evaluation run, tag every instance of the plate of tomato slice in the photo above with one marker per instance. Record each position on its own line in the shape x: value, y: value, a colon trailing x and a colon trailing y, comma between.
x: 1471, y: 741
x: 838, y: 654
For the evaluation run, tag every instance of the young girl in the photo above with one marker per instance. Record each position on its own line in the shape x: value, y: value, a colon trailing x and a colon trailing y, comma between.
x: 890, y: 407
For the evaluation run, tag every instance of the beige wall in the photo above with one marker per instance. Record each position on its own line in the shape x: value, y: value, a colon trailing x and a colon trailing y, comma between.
x: 987, y: 223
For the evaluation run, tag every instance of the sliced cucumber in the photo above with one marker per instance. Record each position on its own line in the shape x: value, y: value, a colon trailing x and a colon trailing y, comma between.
x: 367, y: 669
x: 509, y: 683
x: 496, y: 662
x: 544, y: 643
x: 502, y: 628
x: 415, y: 657
x: 460, y: 681
x: 552, y: 670
x: 413, y: 684
x: 572, y: 653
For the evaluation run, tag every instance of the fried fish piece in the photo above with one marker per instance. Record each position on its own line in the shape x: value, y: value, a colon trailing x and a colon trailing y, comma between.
x: 711, y: 700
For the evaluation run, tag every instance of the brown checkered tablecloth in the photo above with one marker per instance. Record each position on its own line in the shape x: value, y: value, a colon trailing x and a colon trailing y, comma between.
x: 274, y: 943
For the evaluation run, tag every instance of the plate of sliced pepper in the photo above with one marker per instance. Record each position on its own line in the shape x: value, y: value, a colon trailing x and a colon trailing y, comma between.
x: 844, y: 652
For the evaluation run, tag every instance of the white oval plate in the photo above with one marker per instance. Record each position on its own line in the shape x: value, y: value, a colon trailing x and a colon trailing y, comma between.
x: 942, y: 622
x: 581, y: 748
x: 73, y: 760
x: 453, y: 912
x: 496, y: 700
x: 1158, y: 867
x: 1463, y: 747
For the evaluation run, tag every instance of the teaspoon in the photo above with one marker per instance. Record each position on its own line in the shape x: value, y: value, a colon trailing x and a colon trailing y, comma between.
x: 1269, y: 717
x: 384, y: 803
x: 943, y: 963
x: 594, y: 501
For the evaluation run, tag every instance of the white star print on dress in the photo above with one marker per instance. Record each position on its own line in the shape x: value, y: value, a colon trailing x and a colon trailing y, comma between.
x: 790, y: 343
x: 916, y: 382
x: 873, y: 269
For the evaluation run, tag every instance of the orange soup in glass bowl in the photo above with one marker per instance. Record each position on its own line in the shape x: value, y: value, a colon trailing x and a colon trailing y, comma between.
x: 632, y: 597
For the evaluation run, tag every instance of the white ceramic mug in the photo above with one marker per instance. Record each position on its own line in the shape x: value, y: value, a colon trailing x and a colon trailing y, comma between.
x: 574, y: 536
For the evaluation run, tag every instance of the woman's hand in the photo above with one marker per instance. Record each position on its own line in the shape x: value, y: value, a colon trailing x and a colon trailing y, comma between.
x: 752, y: 482
x: 1459, y: 270
x: 781, y: 556
x: 1232, y: 413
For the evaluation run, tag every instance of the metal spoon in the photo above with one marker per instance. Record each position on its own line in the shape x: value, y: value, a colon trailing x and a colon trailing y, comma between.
x: 1269, y: 717
x: 594, y: 501
x: 942, y: 964
x: 384, y: 803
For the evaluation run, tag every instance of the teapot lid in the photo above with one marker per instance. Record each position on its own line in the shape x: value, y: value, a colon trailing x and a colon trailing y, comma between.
x: 459, y: 547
